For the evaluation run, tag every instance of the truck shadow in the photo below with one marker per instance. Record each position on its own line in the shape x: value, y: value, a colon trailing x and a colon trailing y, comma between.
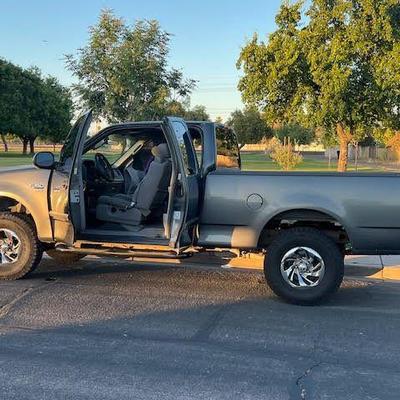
x: 180, y: 324
x: 353, y: 292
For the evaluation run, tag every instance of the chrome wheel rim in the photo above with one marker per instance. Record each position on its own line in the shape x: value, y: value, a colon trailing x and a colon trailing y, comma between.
x: 302, y: 267
x: 10, y: 245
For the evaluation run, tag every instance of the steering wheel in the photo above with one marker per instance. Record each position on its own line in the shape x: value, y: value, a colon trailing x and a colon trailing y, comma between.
x: 103, y: 167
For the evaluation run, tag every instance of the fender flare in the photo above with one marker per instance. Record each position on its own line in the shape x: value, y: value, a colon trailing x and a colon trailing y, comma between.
x: 330, y: 214
x: 43, y: 225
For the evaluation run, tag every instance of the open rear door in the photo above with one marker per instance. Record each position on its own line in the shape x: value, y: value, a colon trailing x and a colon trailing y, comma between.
x: 184, y: 216
x: 66, y: 196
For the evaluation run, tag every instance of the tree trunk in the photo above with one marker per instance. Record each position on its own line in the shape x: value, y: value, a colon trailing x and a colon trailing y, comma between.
x: 329, y: 158
x: 344, y: 141
x: 24, y: 145
x: 3, y: 139
x: 32, y: 145
x: 356, y: 156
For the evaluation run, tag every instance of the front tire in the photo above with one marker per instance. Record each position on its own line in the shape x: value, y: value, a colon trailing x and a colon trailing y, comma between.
x: 20, y: 249
x: 304, y: 266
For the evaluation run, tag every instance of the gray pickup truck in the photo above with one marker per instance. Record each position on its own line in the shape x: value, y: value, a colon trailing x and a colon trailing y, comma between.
x: 170, y: 188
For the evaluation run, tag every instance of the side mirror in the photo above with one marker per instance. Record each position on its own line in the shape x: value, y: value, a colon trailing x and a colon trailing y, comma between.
x: 44, y: 160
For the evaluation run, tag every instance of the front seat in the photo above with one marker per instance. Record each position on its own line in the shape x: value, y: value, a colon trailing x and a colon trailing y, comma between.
x: 133, y: 176
x: 149, y: 195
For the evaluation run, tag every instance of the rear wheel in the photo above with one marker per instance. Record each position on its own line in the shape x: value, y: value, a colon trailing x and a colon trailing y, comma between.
x: 20, y: 249
x: 304, y: 266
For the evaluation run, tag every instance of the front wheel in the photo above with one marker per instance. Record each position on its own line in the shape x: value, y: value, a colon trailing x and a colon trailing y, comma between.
x: 304, y: 266
x: 20, y: 249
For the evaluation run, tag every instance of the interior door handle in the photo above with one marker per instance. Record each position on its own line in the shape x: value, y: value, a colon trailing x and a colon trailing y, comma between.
x: 179, y: 189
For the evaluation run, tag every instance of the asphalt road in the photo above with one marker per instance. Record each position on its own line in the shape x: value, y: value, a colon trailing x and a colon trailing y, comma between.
x: 111, y: 330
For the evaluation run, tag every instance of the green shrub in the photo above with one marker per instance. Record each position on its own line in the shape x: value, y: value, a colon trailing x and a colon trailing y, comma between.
x: 285, y: 155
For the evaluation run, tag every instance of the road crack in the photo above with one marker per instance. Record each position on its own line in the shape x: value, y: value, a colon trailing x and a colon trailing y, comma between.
x: 6, y: 308
x: 204, y: 332
x: 300, y: 379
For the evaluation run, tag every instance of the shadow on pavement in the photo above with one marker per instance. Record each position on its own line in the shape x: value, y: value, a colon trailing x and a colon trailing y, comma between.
x: 119, y: 331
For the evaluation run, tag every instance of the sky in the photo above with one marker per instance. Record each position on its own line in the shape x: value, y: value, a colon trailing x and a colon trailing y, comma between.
x: 206, y: 42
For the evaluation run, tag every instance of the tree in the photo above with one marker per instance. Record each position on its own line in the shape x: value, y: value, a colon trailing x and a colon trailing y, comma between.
x: 32, y: 106
x: 249, y: 126
x: 297, y: 133
x: 197, y: 113
x: 328, y: 71
x: 57, y: 111
x: 33, y: 99
x: 387, y: 71
x: 123, y: 72
x: 49, y: 106
x: 179, y: 109
x: 10, y: 77
x: 4, y: 140
x: 20, y: 102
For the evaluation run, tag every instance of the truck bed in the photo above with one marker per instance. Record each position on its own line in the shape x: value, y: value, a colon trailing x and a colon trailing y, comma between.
x: 366, y: 205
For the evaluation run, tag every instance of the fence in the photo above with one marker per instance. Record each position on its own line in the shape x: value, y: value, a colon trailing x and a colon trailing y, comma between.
x: 16, y: 147
x: 313, y: 147
x: 367, y: 153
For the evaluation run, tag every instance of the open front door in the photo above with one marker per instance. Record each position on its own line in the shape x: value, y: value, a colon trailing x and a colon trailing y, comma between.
x: 67, y: 208
x: 183, y: 215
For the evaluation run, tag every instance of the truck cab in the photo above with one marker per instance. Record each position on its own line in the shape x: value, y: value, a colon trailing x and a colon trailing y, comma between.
x: 131, y: 187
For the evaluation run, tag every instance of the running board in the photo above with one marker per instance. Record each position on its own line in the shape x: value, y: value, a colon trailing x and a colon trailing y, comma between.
x: 123, y: 253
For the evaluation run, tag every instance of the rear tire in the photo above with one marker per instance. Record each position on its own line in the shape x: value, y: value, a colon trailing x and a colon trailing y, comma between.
x: 64, y: 258
x: 20, y: 249
x: 304, y: 266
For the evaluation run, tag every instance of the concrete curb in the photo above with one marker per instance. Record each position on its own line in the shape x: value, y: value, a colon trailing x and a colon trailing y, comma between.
x: 256, y: 262
x: 373, y: 272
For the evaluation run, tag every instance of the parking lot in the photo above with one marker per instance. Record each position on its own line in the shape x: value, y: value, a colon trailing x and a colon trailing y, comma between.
x: 113, y: 330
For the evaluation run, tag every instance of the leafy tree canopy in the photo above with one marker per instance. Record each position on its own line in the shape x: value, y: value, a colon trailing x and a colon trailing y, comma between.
x: 179, y: 109
x: 32, y: 106
x: 123, y: 71
x: 57, y: 110
x: 296, y: 133
x: 336, y: 70
x: 197, y: 113
x: 249, y: 125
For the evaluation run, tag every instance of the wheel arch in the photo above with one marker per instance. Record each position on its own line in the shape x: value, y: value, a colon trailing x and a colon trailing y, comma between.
x: 7, y: 202
x: 17, y: 205
x: 322, y: 220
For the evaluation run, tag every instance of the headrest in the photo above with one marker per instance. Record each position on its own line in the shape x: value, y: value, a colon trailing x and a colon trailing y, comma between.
x: 161, y: 152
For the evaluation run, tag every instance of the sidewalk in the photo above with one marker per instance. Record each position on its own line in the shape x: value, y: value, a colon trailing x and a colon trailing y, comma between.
x: 375, y: 267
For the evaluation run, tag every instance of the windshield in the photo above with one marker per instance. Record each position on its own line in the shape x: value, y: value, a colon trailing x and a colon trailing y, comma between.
x: 113, y: 147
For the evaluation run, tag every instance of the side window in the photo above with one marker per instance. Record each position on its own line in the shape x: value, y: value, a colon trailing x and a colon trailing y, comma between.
x: 228, y: 155
x: 197, y: 142
x: 186, y: 147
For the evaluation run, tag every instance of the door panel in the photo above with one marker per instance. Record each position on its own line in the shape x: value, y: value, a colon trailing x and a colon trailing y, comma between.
x: 62, y: 226
x: 65, y: 213
x: 76, y: 195
x: 188, y: 181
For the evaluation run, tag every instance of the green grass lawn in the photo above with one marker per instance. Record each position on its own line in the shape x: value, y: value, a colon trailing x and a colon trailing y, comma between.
x: 251, y: 162
x: 11, y: 159
x: 260, y: 162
